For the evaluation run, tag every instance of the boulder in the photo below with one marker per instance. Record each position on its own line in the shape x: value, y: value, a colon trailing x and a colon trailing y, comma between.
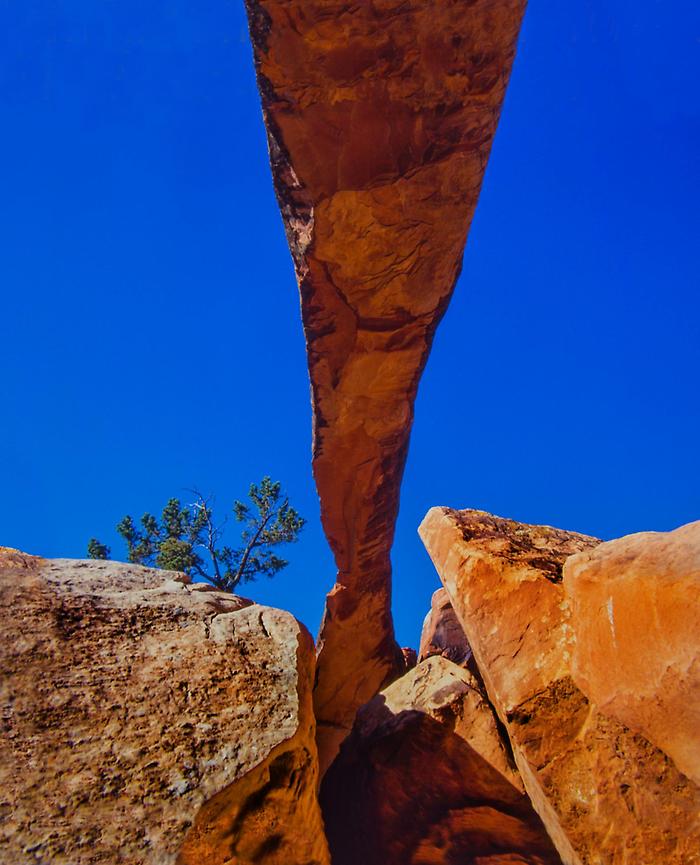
x: 145, y: 721
x: 442, y: 632
x: 635, y: 611
x: 380, y: 118
x: 410, y: 657
x: 606, y: 794
x: 425, y: 778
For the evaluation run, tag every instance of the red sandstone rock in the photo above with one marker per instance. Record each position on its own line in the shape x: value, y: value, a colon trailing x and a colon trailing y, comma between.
x: 151, y: 724
x: 605, y: 793
x: 380, y: 117
x: 442, y: 632
x: 425, y: 779
x: 636, y: 617
x: 410, y: 657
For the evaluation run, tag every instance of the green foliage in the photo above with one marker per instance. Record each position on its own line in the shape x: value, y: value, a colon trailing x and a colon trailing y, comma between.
x: 268, y: 522
x: 187, y: 539
x: 96, y: 550
x: 177, y: 555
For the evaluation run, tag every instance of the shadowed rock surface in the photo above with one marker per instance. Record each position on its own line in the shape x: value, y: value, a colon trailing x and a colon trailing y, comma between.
x: 635, y: 610
x: 442, y: 632
x: 425, y: 778
x: 380, y: 117
x: 410, y: 657
x: 146, y: 720
x: 605, y: 793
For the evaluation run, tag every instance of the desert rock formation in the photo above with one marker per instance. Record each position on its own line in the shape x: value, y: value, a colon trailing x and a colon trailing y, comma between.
x: 442, y: 632
x: 554, y: 714
x: 151, y: 721
x: 426, y: 779
x: 635, y: 606
x: 605, y: 793
x: 380, y: 118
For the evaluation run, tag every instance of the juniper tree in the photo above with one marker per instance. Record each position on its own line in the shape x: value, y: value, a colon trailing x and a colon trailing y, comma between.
x: 268, y: 523
x: 186, y: 537
x: 96, y: 550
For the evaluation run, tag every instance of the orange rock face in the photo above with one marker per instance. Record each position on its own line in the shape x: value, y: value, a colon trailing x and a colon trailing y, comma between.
x: 442, y: 632
x: 149, y: 722
x: 426, y: 779
x: 606, y: 794
x: 380, y: 117
x: 635, y: 606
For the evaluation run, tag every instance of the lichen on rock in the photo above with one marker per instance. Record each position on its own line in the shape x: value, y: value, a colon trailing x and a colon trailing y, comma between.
x: 147, y: 722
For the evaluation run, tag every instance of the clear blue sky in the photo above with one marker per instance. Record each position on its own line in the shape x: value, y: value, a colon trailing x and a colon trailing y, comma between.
x: 151, y: 336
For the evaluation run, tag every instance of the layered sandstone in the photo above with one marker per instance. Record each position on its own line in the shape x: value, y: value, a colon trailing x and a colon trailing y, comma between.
x: 635, y: 611
x: 380, y: 116
x: 442, y: 632
x: 148, y: 720
x: 606, y: 794
x: 426, y: 779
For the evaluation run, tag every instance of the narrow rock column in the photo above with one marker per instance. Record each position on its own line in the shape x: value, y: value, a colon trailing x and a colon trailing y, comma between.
x: 380, y: 118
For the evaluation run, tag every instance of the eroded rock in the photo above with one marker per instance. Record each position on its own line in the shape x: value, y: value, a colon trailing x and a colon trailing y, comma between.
x: 442, y: 632
x: 635, y: 605
x: 147, y: 722
x: 425, y: 778
x: 410, y: 657
x: 380, y: 119
x: 606, y: 794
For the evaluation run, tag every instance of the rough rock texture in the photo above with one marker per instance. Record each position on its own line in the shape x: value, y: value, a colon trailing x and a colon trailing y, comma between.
x: 410, y: 657
x: 149, y: 721
x: 606, y: 795
x: 425, y: 778
x: 380, y: 117
x: 442, y: 632
x: 635, y: 610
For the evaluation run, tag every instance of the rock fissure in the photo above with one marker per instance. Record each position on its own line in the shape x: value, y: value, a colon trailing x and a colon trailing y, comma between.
x: 424, y: 778
x: 577, y: 760
x: 551, y: 714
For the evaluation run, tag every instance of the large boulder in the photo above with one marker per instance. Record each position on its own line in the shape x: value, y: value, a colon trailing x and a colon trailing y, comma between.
x: 635, y: 611
x: 606, y: 794
x: 148, y: 720
x: 425, y: 778
x: 442, y: 632
x: 380, y: 119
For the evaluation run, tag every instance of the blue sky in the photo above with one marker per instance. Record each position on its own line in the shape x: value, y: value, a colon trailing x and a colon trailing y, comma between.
x: 151, y: 332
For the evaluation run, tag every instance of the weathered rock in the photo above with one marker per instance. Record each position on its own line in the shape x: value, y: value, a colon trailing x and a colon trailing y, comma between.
x: 635, y: 606
x: 606, y: 795
x: 380, y: 117
x: 410, y: 657
x: 146, y: 722
x: 442, y: 632
x: 425, y: 778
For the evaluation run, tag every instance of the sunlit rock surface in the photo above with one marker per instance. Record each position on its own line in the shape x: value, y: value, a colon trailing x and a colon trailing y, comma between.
x: 606, y: 794
x: 442, y: 632
x: 380, y: 118
x: 146, y: 720
x: 635, y: 605
x: 426, y: 778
